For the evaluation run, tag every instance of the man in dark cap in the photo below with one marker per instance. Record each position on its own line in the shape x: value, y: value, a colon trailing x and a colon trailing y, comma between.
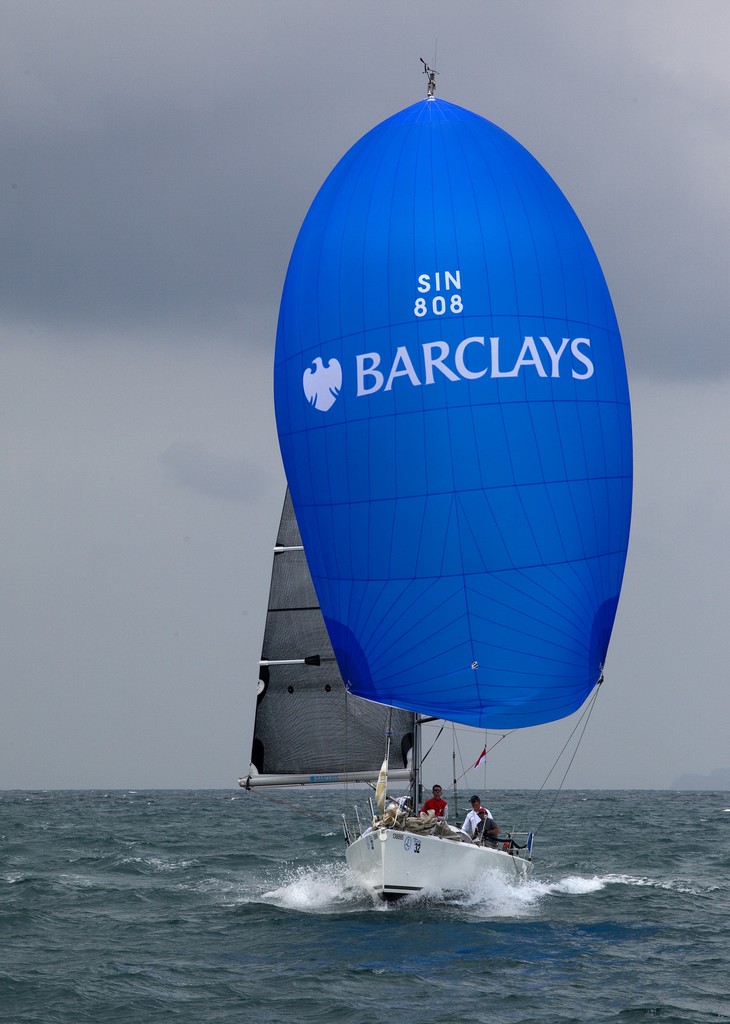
x: 472, y: 819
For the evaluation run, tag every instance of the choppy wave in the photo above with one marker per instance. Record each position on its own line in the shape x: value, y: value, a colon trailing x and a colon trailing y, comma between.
x: 187, y: 907
x: 155, y: 864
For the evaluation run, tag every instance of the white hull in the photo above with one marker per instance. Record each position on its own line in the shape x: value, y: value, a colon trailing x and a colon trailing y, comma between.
x: 393, y: 863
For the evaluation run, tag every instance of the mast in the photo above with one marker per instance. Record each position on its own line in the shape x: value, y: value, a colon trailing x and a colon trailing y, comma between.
x: 416, y: 781
x: 431, y: 87
x: 453, y: 769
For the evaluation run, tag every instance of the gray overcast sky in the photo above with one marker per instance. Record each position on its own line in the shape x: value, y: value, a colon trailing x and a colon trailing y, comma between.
x: 157, y: 161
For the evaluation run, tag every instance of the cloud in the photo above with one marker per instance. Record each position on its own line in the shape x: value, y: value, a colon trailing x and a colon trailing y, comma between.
x: 168, y: 194
x: 190, y: 465
x: 156, y: 169
x: 133, y: 588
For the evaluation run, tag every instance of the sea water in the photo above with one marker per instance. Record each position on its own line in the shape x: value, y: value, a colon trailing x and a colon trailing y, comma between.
x: 234, y: 907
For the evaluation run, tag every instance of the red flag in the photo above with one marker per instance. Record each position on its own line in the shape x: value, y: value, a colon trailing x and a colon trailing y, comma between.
x: 482, y: 758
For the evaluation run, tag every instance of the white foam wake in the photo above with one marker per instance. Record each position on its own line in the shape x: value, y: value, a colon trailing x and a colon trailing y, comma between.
x: 330, y: 887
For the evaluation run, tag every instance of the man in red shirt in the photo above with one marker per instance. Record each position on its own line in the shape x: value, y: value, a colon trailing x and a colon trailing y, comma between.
x: 435, y: 803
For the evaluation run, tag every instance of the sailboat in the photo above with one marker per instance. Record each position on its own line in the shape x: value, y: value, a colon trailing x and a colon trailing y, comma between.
x: 309, y: 730
x: 453, y: 416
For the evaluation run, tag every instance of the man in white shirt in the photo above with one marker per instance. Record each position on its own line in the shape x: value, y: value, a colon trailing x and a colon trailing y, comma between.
x: 472, y: 819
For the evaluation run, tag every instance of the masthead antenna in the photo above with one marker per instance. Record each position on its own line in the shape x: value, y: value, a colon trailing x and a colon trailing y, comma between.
x: 431, y: 79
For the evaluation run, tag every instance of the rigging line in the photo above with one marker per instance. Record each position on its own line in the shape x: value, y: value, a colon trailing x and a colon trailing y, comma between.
x: 585, y: 718
x: 453, y: 764
x: 433, y: 744
x: 347, y: 742
x: 295, y: 807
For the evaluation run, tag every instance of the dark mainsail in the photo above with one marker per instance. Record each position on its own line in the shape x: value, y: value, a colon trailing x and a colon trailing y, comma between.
x: 306, y: 723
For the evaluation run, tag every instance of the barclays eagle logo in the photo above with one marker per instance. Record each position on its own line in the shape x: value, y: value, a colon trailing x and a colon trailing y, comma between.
x: 322, y: 383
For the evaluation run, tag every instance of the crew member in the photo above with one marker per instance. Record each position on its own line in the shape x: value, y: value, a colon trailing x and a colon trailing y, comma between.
x: 472, y: 819
x: 487, y: 830
x: 435, y: 803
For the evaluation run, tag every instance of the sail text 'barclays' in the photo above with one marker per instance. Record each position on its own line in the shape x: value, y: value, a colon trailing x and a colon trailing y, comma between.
x: 470, y: 360
x: 469, y: 363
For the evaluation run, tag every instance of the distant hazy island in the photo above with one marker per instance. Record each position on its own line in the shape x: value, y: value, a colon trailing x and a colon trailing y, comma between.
x: 719, y: 779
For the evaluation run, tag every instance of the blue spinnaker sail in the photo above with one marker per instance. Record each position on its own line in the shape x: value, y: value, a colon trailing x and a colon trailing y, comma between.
x: 453, y: 415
